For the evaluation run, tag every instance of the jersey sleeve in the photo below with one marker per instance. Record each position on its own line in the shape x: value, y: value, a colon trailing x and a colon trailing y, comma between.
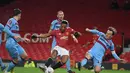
x: 72, y: 31
x: 8, y: 27
x: 112, y: 47
x: 52, y: 25
x: 97, y: 32
x: 53, y: 33
x: 1, y: 27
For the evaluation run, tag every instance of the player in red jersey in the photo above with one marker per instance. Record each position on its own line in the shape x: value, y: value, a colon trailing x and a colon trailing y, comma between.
x: 62, y: 37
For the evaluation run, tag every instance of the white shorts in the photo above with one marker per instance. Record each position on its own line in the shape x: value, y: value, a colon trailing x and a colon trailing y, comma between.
x: 61, y: 51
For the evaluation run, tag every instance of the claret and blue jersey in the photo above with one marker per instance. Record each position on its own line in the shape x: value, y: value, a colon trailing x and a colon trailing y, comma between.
x: 12, y: 29
x: 99, y: 48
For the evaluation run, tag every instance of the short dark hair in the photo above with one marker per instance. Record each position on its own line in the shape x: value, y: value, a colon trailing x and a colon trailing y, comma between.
x: 60, y: 11
x: 16, y: 12
x: 114, y: 31
x: 65, y: 22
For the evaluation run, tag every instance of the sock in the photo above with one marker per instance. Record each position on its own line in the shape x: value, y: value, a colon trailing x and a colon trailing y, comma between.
x: 58, y: 65
x: 68, y: 64
x: 84, y: 61
x: 54, y: 62
x: 11, y: 66
x: 1, y: 63
x: 49, y: 62
x: 21, y: 60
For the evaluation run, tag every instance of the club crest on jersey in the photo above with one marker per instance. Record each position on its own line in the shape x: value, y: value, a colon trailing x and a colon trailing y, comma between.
x: 59, y: 33
x: 9, y: 22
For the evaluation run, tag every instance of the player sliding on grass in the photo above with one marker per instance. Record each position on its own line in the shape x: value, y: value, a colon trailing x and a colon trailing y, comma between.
x: 62, y: 37
x: 103, y: 43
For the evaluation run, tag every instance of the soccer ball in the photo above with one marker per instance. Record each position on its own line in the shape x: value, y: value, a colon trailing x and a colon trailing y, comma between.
x: 50, y: 70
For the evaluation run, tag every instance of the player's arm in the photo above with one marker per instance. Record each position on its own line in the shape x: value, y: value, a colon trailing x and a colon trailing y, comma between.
x: 115, y: 55
x: 74, y: 38
x: 45, y: 35
x: 1, y: 27
x: 9, y: 32
x: 94, y: 31
x: 75, y: 35
x: 50, y: 30
x: 41, y: 35
x: 7, y: 28
x: 52, y: 33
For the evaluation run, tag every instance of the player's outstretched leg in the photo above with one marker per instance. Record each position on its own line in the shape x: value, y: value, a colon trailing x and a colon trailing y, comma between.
x: 18, y: 55
x: 2, y: 65
x: 97, y: 69
x: 49, y: 61
x: 97, y: 64
x: 64, y: 59
x: 84, y: 61
x: 11, y: 65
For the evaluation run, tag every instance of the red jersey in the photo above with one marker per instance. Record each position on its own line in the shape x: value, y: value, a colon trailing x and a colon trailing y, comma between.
x: 62, y: 38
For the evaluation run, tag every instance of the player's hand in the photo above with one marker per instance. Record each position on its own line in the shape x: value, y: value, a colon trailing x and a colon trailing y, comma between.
x: 42, y: 36
x: 26, y: 40
x: 75, y: 40
x: 17, y: 37
x: 123, y: 61
x: 87, y: 29
x: 34, y: 36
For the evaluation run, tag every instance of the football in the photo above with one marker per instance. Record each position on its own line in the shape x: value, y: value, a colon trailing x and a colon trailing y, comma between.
x: 50, y: 70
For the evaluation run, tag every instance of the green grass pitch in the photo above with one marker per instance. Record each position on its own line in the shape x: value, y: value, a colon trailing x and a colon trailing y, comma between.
x: 36, y: 70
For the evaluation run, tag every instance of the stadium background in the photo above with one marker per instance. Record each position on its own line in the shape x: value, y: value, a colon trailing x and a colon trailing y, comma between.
x: 38, y: 14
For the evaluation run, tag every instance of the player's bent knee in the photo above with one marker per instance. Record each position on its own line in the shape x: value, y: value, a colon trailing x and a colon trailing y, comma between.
x: 97, y: 69
x: 54, y: 54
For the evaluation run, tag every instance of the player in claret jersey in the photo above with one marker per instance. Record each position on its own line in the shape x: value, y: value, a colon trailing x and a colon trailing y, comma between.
x: 62, y: 35
x: 16, y: 52
x: 103, y: 43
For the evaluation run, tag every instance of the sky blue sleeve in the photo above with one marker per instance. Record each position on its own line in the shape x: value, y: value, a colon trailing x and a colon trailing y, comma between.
x: 97, y: 32
x: 112, y: 47
x: 8, y: 27
x: 0, y: 37
x: 53, y: 25
x: 115, y: 56
x: 114, y: 53
x: 1, y: 27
